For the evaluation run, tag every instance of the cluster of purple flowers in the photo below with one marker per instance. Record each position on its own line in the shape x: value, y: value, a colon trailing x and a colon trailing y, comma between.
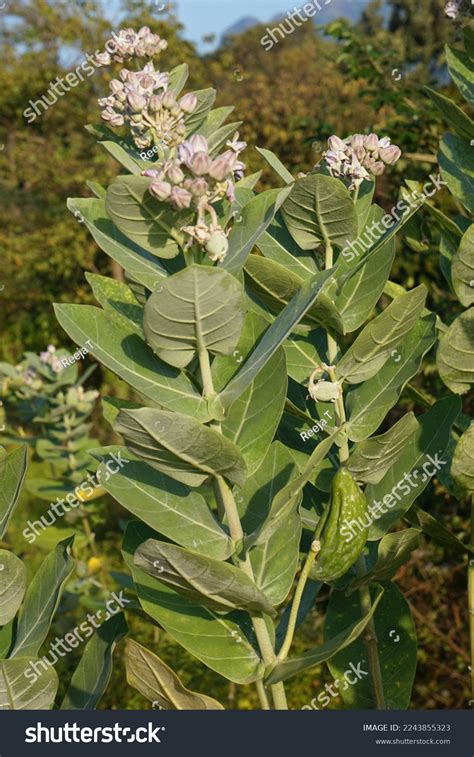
x: 360, y: 157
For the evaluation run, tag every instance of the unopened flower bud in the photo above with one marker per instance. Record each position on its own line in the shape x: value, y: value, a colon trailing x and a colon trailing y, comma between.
x: 160, y: 189
x: 390, y: 155
x: 175, y: 174
x: 188, y: 102
x: 200, y: 164
x: 199, y: 143
x: 377, y: 168
x: 117, y: 120
x: 199, y: 187
x: 371, y: 142
x: 137, y: 102
x: 180, y: 198
x: 169, y: 100
x: 155, y: 104
x: 335, y: 143
x: 102, y: 59
x: 116, y: 86
x: 357, y: 141
x: 217, y: 246
x: 221, y: 167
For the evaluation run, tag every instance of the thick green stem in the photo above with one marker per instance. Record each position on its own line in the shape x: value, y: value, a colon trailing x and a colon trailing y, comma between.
x: 226, y: 503
x: 290, y: 631
x: 370, y: 636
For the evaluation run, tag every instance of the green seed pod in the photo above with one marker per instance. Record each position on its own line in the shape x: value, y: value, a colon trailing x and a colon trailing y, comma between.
x: 341, y: 545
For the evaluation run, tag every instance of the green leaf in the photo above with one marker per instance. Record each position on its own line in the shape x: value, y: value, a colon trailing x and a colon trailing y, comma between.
x: 276, y: 164
x: 256, y: 216
x: 373, y: 346
x: 396, y: 637
x: 91, y: 677
x: 275, y: 560
x: 15, y: 694
x: 180, y: 446
x: 178, y: 78
x: 137, y: 262
x: 455, y: 356
x: 275, y: 336
x: 436, y: 531
x: 159, y: 684
x: 360, y: 292
x: 205, y: 101
x: 462, y: 269
x: 363, y: 204
x: 131, y: 359
x: 372, y: 458
x: 337, y: 554
x: 197, y: 309
x: 463, y: 125
x: 320, y: 209
x: 323, y: 653
x: 41, y: 600
x: 277, y: 244
x: 404, y: 482
x: 276, y: 285
x: 304, y: 353
x: 251, y: 421
x: 118, y: 300
x: 214, y: 119
x: 456, y: 161
x: 394, y: 550
x: 212, y: 583
x: 167, y: 506
x: 12, y: 585
x: 461, y: 72
x: 462, y: 468
x: 369, y: 403
x: 13, y: 467
x: 141, y: 218
x: 217, y: 640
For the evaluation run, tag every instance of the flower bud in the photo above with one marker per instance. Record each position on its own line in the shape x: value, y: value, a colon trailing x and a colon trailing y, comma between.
x: 199, y: 187
x: 160, y: 189
x: 155, y: 104
x: 199, y: 143
x: 371, y: 142
x: 390, y: 155
x: 180, y: 198
x: 220, y: 168
x: 137, y: 102
x: 200, y: 163
x: 102, y: 59
x: 335, y: 143
x: 116, y: 86
x: 175, y: 174
x: 217, y: 246
x: 188, y: 102
x: 169, y: 100
x: 357, y: 141
x: 377, y: 168
x: 117, y: 120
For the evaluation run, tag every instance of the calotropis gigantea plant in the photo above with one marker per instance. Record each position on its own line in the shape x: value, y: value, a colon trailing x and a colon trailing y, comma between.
x: 27, y: 611
x: 256, y: 473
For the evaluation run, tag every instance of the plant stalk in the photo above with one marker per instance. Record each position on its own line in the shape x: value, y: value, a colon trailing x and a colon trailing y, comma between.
x: 370, y: 636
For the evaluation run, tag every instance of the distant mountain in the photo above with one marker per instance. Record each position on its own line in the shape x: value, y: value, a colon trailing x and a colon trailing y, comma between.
x: 349, y: 8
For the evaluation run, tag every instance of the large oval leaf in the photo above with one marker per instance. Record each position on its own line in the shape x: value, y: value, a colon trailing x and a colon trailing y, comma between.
x: 159, y: 684
x: 22, y: 689
x: 456, y: 161
x: 455, y: 357
x: 12, y: 473
x: 462, y: 468
x: 320, y: 208
x: 199, y: 308
x: 180, y: 446
x: 462, y: 269
x: 213, y: 583
x: 12, y: 585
